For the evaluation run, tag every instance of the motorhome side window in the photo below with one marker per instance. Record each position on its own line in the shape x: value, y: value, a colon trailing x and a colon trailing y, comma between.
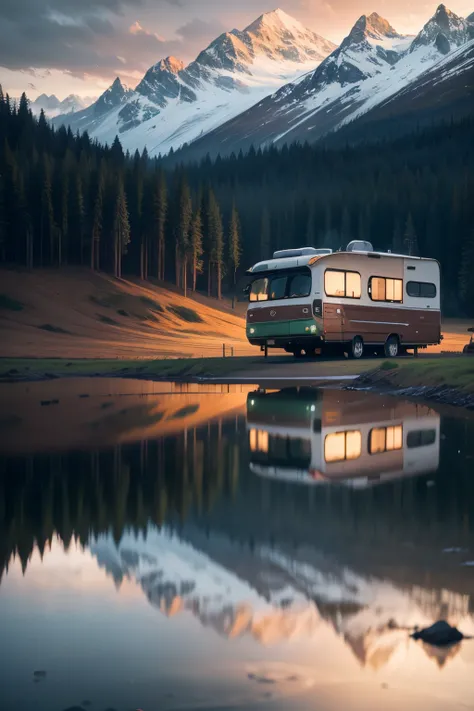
x: 342, y: 283
x: 340, y: 446
x: 385, y: 439
x: 422, y: 289
x: 421, y: 438
x: 386, y: 289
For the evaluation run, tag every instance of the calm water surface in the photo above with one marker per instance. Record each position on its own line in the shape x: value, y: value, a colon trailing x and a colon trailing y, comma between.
x: 167, y: 547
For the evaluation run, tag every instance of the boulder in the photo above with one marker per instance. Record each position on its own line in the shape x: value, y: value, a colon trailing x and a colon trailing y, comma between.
x: 440, y: 634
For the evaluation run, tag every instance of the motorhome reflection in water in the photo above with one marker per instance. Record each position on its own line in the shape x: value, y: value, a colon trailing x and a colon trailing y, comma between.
x: 309, y: 437
x: 352, y: 301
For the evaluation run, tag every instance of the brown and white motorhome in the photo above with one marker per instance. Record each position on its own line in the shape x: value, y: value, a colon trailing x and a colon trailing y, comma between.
x: 356, y: 300
x: 315, y: 437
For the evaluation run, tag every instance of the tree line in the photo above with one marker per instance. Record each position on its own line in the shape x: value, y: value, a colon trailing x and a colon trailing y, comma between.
x: 202, y: 477
x: 66, y: 200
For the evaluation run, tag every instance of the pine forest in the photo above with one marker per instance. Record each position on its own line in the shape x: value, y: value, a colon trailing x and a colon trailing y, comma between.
x: 66, y: 200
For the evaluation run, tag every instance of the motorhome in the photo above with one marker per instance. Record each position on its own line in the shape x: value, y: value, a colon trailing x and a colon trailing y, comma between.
x: 312, y: 437
x: 354, y: 301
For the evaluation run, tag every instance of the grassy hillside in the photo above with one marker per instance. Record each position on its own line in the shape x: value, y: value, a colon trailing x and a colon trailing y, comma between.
x: 73, y: 312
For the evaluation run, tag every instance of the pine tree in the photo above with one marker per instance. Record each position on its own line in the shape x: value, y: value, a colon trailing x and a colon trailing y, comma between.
x: 64, y: 216
x: 116, y: 154
x: 3, y: 220
x: 48, y: 226
x: 235, y: 249
x: 409, y: 238
x: 310, y: 238
x: 346, y: 232
x: 182, y: 234
x: 121, y: 228
x: 160, y: 212
x: 466, y: 281
x: 265, y: 235
x: 397, y: 238
x: 216, y: 241
x: 196, y: 244
x: 135, y: 192
x: 78, y: 216
x: 97, y: 221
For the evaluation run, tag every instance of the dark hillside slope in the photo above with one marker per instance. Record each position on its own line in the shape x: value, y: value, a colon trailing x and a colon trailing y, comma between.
x: 443, y: 94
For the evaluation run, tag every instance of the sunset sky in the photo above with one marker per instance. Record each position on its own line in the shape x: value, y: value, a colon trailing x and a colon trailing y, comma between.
x: 67, y: 46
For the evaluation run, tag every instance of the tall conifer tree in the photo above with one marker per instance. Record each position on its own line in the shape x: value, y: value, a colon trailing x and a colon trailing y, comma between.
x: 121, y: 228
x: 235, y: 248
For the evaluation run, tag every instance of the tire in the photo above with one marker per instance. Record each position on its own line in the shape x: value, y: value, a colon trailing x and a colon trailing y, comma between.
x: 356, y: 348
x: 298, y: 353
x: 392, y: 347
x: 310, y: 352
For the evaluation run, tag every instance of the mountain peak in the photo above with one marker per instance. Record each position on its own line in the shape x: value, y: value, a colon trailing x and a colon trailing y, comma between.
x: 443, y: 31
x: 372, y: 27
x: 277, y: 21
x: 170, y: 64
x: 116, y: 84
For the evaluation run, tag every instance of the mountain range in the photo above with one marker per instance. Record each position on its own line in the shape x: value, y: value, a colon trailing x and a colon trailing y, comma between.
x: 277, y: 82
x: 174, y: 104
x: 271, y: 593
x: 52, y: 106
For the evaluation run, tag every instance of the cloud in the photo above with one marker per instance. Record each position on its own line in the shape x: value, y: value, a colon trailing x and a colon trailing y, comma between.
x: 200, y: 31
x: 32, y: 86
x: 79, y: 37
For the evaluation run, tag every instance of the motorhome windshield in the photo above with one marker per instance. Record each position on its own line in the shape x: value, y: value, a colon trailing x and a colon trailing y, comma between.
x: 288, y: 285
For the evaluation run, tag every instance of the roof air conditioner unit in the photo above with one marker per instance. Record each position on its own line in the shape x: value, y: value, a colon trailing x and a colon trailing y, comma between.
x: 359, y: 245
x: 300, y: 252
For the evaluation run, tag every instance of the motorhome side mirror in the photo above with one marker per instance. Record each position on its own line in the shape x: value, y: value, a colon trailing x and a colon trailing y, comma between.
x: 246, y: 289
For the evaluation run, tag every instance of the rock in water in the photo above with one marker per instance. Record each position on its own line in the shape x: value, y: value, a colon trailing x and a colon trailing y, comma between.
x: 439, y: 634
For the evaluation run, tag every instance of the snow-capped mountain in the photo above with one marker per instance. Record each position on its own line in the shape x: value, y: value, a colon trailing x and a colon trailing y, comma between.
x: 178, y: 577
x: 174, y: 104
x: 443, y: 91
x: 49, y: 104
x: 52, y: 106
x: 444, y: 30
x: 113, y: 99
x: 373, y: 63
x: 273, y: 593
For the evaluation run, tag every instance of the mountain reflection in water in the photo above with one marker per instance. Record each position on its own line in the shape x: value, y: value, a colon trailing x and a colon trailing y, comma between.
x: 281, y: 521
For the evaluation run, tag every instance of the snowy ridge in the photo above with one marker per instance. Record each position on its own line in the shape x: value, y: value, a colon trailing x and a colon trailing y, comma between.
x: 178, y: 578
x: 373, y: 63
x: 273, y: 594
x: 174, y: 104
x: 52, y: 106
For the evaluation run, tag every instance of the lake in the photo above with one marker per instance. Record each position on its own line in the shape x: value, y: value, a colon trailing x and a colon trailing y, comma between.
x: 181, y: 547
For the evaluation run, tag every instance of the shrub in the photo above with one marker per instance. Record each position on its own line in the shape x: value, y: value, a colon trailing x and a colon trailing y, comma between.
x: 6, y: 302
x: 388, y: 365
x: 186, y: 314
x: 152, y: 304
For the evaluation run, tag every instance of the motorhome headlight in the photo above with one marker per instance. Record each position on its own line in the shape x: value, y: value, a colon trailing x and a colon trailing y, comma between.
x: 313, y: 328
x: 251, y: 330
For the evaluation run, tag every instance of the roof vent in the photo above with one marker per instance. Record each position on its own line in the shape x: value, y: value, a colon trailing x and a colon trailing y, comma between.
x: 300, y: 252
x: 359, y: 245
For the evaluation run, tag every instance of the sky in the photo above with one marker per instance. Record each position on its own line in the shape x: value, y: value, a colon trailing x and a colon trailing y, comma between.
x: 80, y: 46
